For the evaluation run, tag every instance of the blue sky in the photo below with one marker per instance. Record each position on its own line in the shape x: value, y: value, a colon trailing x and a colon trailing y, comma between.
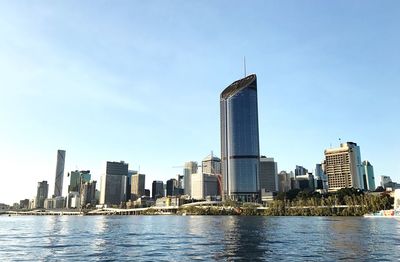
x: 140, y: 81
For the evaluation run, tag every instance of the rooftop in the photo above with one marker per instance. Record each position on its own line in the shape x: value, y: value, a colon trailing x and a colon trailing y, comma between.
x: 238, y: 85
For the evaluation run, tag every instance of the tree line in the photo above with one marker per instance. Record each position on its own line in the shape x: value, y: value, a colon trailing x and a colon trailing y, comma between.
x: 344, y: 202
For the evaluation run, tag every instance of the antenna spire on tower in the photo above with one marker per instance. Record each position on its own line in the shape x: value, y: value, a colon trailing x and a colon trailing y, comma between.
x: 244, y: 66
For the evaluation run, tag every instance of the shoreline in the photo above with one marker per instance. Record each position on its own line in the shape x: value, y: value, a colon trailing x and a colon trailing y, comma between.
x: 18, y: 214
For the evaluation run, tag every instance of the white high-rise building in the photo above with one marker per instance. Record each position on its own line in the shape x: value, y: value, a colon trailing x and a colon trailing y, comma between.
x: 189, y: 169
x: 204, y: 185
x: 343, y: 167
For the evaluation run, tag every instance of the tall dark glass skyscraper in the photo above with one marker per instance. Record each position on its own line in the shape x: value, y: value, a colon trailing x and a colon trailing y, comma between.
x: 59, y: 173
x: 239, y: 140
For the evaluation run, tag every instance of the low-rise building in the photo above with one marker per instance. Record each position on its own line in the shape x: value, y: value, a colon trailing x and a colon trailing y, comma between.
x: 267, y: 196
x: 4, y: 206
x: 169, y: 201
x: 54, y: 203
x: 143, y: 202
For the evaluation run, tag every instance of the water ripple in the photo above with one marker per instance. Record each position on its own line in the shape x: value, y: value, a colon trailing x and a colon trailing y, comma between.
x: 199, y: 238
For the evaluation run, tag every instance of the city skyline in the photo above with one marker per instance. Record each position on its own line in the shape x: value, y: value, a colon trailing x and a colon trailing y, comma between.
x: 325, y: 71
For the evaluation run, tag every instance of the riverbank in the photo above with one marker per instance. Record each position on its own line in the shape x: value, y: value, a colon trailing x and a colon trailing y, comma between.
x: 344, y: 202
x: 277, y: 210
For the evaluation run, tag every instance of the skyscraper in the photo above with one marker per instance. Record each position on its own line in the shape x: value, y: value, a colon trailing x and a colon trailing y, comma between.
x: 157, y: 189
x: 41, y: 194
x: 343, y: 167
x: 137, y: 185
x: 172, y: 185
x: 189, y: 169
x: 300, y: 171
x: 88, y: 193
x: 77, y: 178
x: 181, y: 182
x: 113, y: 189
x: 368, y: 176
x: 268, y: 174
x: 59, y: 173
x: 204, y: 185
x: 239, y: 140
x: 129, y: 183
x: 320, y: 178
x: 211, y: 165
x: 117, y: 168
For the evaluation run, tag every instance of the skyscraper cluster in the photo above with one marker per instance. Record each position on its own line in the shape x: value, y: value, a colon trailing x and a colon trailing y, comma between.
x: 241, y: 174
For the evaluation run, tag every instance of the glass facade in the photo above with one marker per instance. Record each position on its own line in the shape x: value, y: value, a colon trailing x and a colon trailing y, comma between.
x: 78, y: 178
x: 239, y: 140
x: 369, y: 178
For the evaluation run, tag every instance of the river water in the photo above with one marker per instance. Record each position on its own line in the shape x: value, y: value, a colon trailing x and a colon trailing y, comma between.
x: 202, y: 238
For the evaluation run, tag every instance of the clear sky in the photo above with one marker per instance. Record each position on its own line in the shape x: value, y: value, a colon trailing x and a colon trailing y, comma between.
x: 140, y: 81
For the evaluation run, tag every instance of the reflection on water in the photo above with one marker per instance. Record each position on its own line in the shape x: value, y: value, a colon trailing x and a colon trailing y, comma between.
x: 346, y: 237
x: 100, y: 227
x: 205, y: 238
x: 244, y: 237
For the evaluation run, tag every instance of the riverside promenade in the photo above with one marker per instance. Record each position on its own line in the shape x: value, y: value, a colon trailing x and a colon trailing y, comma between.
x: 154, y: 210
